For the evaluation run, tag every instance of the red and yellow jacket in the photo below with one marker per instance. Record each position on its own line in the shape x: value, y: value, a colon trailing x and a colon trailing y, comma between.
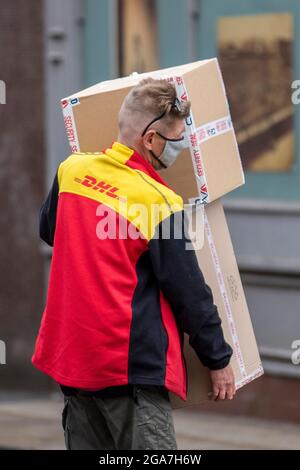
x: 120, y: 293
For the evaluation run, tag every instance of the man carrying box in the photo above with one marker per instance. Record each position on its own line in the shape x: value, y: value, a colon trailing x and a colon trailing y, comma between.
x: 121, y: 293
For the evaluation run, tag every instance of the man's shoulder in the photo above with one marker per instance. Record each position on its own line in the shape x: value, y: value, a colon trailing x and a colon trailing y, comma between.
x: 158, y: 193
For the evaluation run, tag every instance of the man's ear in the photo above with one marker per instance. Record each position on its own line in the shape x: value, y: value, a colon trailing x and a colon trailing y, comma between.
x: 148, y: 139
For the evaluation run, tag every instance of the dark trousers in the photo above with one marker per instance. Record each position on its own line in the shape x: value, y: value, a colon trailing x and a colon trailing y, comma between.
x: 138, y: 419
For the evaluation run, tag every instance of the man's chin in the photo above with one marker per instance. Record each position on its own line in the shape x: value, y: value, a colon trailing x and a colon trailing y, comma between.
x: 157, y: 166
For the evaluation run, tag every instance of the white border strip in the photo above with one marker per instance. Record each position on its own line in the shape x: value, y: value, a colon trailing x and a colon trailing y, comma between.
x: 229, y: 315
x: 214, y: 128
x: 69, y: 121
x: 193, y: 140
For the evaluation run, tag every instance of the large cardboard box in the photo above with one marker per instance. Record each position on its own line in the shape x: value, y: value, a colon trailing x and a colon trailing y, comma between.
x: 218, y: 263
x: 209, y: 168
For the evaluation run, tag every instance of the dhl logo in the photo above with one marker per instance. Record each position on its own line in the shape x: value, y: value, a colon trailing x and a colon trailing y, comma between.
x: 100, y: 186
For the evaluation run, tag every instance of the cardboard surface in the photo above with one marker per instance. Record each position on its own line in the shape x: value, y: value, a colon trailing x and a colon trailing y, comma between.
x: 217, y: 254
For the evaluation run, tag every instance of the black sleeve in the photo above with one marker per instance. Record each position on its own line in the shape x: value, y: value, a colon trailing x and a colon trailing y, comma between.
x: 47, y: 214
x: 191, y: 299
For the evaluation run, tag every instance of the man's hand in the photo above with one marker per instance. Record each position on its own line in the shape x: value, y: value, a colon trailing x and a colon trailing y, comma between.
x: 222, y: 384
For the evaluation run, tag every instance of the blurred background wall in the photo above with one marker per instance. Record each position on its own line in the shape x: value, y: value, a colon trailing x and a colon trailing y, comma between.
x: 53, y: 48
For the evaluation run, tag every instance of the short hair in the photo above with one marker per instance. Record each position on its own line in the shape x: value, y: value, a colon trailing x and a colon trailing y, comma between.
x: 151, y: 98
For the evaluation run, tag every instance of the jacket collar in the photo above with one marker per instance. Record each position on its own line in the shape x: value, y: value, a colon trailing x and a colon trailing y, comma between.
x: 133, y: 159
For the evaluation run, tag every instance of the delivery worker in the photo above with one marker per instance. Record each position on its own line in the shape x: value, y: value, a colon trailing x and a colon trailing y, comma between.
x: 121, y: 294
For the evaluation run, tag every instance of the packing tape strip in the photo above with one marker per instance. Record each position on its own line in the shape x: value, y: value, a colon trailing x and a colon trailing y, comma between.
x: 229, y: 315
x: 69, y: 121
x: 193, y: 140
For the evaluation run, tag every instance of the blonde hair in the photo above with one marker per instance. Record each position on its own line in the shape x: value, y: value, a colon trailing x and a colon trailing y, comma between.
x: 148, y: 100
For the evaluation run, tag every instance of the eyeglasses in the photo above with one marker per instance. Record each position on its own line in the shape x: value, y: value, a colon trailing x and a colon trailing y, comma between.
x: 175, y: 105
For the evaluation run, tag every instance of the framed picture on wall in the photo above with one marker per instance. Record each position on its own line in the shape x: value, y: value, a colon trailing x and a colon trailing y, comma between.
x: 256, y: 58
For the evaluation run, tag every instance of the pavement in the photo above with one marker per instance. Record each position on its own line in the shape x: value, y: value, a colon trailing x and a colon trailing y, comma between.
x: 35, y: 423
